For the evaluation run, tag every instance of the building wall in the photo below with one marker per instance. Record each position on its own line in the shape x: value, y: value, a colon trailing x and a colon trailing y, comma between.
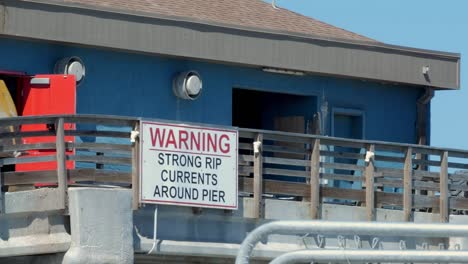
x: 120, y: 83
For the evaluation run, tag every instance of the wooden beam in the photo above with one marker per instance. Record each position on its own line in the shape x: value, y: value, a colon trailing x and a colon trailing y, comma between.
x: 370, y: 192
x: 444, y: 191
x: 315, y: 180
x: 96, y: 175
x: 136, y: 169
x: 408, y: 186
x: 61, y: 164
x: 2, y: 195
x: 258, y: 181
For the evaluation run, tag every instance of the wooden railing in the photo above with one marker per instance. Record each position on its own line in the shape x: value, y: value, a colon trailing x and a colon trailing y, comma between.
x: 99, y: 152
x: 299, y: 167
x: 371, y: 173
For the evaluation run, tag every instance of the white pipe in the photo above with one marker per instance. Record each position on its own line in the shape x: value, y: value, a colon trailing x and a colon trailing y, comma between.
x: 346, y: 228
x: 155, y: 229
x: 373, y: 256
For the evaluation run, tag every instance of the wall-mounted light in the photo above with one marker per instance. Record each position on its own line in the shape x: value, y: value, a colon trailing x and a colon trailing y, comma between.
x: 71, y: 65
x: 188, y: 85
x: 425, y: 70
x: 282, y: 71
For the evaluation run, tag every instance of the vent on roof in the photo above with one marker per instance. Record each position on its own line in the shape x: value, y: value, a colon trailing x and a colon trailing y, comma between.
x: 273, y: 4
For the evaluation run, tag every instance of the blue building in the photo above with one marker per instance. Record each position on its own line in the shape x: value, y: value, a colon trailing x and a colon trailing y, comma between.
x: 254, y: 71
x: 261, y: 67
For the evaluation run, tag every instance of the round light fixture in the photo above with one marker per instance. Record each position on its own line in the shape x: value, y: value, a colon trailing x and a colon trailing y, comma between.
x: 73, y: 66
x: 188, y: 85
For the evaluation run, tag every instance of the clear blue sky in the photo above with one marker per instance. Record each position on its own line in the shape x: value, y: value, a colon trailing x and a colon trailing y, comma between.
x: 427, y: 24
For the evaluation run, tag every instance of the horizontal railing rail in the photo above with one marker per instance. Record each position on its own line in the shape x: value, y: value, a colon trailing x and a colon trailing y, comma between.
x: 81, y: 150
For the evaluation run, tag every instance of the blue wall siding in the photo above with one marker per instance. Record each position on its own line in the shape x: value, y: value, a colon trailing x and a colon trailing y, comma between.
x: 121, y: 83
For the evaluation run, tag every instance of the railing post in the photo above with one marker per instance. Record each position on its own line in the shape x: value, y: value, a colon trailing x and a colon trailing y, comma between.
x: 99, y: 166
x: 258, y: 175
x: 444, y: 188
x: 62, y: 179
x: 135, y: 167
x: 408, y: 185
x: 2, y: 194
x: 315, y: 180
x: 370, y: 191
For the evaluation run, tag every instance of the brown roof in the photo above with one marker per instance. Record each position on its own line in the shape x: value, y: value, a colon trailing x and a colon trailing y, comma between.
x: 254, y: 14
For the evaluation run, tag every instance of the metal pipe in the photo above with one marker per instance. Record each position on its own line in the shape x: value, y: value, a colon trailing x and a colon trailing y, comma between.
x: 155, y: 229
x: 346, y: 228
x: 373, y: 256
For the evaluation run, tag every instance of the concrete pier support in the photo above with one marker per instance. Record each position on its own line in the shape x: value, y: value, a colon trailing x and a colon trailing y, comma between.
x: 101, y: 226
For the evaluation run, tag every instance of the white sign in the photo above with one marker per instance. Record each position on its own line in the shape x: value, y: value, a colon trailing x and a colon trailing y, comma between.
x: 188, y: 165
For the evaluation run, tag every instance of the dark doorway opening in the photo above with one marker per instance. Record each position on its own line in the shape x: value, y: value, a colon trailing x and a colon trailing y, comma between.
x: 273, y: 111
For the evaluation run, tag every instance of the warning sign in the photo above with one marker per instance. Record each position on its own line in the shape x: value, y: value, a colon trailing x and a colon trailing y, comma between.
x: 188, y: 165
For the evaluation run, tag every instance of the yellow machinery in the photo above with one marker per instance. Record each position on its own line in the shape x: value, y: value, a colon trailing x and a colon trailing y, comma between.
x: 7, y: 109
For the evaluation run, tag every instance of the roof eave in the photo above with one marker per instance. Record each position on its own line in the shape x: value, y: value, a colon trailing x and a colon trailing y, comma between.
x: 230, y: 44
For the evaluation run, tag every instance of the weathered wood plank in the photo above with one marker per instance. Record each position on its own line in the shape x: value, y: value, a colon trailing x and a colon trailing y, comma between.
x: 17, y: 134
x: 342, y: 166
x: 245, y: 133
x: 296, y: 138
x: 23, y: 120
x: 343, y: 143
x: 102, y: 159
x: 29, y: 177
x: 285, y: 149
x: 389, y: 159
x: 459, y: 203
x: 245, y: 185
x: 245, y: 146
x: 100, y: 133
x: 426, y: 174
x: 398, y: 173
x: 456, y: 165
x: 426, y: 163
x: 408, y: 186
x: 31, y: 159
x: 370, y: 192
x: 459, y: 154
x: 338, y: 193
x: 245, y: 170
x: 287, y: 173
x: 341, y: 177
x: 50, y: 176
x: 61, y: 164
x: 315, y: 180
x: 444, y: 192
x: 246, y: 158
x: 417, y: 185
x: 92, y: 146
x: 23, y: 147
x: 284, y: 161
x: 258, y: 177
x: 343, y: 155
x: 426, y: 150
x: 101, y: 120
